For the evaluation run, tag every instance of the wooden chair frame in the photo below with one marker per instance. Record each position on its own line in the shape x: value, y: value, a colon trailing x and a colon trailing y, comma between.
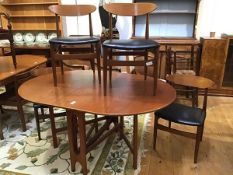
x: 197, y: 136
x: 87, y: 52
x: 134, y: 10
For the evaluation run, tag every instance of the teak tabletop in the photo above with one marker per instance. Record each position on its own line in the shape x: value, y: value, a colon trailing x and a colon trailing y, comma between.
x: 24, y: 63
x: 190, y: 80
x: 80, y: 92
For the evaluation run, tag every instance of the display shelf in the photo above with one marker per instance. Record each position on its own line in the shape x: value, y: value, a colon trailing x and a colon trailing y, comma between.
x: 31, y: 14
x: 172, y: 18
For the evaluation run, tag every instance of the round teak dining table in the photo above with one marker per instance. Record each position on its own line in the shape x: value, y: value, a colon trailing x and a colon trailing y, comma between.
x: 79, y: 92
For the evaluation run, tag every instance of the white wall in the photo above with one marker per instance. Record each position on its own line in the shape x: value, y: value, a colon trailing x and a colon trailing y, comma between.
x: 74, y: 25
x: 215, y: 16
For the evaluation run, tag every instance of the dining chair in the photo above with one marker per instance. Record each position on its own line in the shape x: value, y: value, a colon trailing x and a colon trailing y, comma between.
x: 188, y: 64
x: 47, y: 112
x: 74, y: 47
x: 11, y: 98
x: 135, y: 47
x: 185, y: 115
x: 6, y: 34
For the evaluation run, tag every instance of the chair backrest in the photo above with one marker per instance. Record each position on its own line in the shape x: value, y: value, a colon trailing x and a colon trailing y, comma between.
x: 130, y: 9
x: 72, y: 10
x: 6, y: 34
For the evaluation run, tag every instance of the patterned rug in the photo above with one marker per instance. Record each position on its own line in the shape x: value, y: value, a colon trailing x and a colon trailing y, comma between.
x: 22, y: 152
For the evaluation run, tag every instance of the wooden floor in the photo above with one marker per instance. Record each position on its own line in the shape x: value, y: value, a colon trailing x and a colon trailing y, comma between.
x: 174, y: 154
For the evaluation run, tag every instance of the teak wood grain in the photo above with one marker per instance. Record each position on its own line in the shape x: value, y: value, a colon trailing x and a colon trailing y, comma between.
x: 214, y: 54
x: 72, y: 10
x: 130, y: 9
x: 80, y: 90
x: 191, y: 81
x: 24, y: 63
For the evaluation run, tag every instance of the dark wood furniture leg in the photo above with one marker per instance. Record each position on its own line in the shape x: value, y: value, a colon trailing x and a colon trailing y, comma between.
x: 156, y: 57
x: 135, y: 141
x: 53, y: 127
x: 77, y: 154
x: 21, y: 116
x: 1, y: 133
x: 98, y: 61
x: 105, y: 50
x: 52, y: 54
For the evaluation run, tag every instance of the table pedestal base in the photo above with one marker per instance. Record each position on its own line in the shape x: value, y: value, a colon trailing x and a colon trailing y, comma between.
x: 76, y: 124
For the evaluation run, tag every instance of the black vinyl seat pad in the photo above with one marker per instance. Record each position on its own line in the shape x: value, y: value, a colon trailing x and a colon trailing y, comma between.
x: 74, y: 40
x: 182, y: 114
x: 131, y: 44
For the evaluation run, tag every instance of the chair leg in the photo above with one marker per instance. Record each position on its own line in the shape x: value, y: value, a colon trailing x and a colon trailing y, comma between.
x: 62, y: 67
x: 105, y: 69
x: 52, y: 53
x: 53, y: 127
x: 1, y: 109
x: 145, y: 66
x: 96, y: 124
x: 202, y: 131
x: 37, y: 122
x: 42, y: 113
x: 169, y: 124
x: 196, y: 97
x: 198, y: 139
x: 21, y: 116
x: 155, y: 131
x: 110, y: 68
x: 1, y: 133
x: 98, y: 61
x: 155, y: 67
x: 92, y: 62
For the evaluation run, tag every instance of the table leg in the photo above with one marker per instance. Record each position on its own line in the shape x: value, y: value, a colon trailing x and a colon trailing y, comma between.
x: 71, y: 137
x: 83, y: 148
x: 121, y: 128
x: 135, y: 141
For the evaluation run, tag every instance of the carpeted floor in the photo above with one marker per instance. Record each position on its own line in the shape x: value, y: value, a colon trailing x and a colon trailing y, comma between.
x: 22, y: 152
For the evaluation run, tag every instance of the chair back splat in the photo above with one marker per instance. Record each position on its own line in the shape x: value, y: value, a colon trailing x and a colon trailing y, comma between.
x: 134, y: 47
x: 80, y: 47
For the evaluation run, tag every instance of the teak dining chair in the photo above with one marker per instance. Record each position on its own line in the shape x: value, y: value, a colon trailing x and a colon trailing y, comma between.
x: 51, y: 115
x: 77, y: 47
x: 11, y: 98
x: 192, y: 68
x: 185, y: 115
x: 6, y: 34
x: 115, y: 47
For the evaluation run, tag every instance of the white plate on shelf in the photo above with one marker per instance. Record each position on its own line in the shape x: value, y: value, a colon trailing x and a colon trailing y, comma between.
x: 29, y: 37
x: 41, y: 38
x: 52, y: 35
x: 18, y: 37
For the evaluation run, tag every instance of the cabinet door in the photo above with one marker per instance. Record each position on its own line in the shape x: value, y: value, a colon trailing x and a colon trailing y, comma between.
x: 228, y: 75
x: 213, y: 59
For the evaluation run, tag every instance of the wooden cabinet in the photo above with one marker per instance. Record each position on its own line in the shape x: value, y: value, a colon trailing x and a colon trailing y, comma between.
x: 173, y: 18
x: 216, y: 63
x: 30, y: 15
x: 213, y: 59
